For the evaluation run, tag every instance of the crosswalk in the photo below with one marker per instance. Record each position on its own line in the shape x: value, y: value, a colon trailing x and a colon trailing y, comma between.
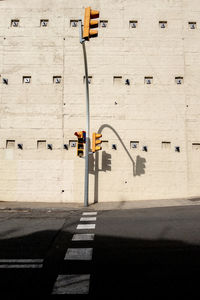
x: 78, y: 284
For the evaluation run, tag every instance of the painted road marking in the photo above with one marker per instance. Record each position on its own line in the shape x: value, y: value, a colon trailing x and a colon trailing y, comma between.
x: 72, y: 284
x: 17, y: 266
x: 88, y: 219
x: 21, y: 263
x: 21, y: 260
x: 86, y: 226
x: 91, y: 213
x: 83, y: 237
x: 79, y: 254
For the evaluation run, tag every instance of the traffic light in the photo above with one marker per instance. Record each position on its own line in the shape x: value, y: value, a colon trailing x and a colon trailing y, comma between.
x: 81, y: 141
x: 96, y: 142
x: 90, y: 23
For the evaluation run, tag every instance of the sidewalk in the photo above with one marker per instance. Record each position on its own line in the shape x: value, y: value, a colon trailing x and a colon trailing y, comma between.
x: 98, y: 206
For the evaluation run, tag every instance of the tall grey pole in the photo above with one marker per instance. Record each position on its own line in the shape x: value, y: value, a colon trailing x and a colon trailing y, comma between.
x: 87, y: 145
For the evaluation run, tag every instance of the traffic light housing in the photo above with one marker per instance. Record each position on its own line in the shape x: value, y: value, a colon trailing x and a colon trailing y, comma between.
x: 81, y: 141
x: 90, y: 23
x: 96, y: 142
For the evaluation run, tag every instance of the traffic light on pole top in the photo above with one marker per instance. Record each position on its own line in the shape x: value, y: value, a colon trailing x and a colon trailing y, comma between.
x: 96, y: 142
x: 90, y: 23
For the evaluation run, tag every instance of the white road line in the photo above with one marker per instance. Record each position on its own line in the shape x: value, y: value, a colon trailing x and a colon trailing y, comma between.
x: 21, y: 263
x: 79, y: 254
x: 72, y: 284
x: 86, y: 226
x: 83, y: 237
x: 88, y: 219
x: 21, y: 260
x: 91, y: 213
x: 22, y: 266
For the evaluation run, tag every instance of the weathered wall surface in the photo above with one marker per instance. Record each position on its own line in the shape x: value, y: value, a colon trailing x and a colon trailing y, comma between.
x: 161, y: 115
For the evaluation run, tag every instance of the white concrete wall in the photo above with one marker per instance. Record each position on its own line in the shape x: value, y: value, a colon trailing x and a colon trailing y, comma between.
x: 150, y: 114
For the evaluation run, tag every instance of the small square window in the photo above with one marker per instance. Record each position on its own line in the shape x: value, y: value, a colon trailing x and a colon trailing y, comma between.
x: 44, y: 22
x: 103, y: 23
x: 148, y: 80
x: 74, y: 23
x: 196, y: 146
x: 72, y: 144
x: 179, y: 80
x: 145, y: 148
x: 177, y: 149
x: 89, y: 79
x: 162, y: 24
x: 15, y: 23
x: 10, y: 144
x: 166, y: 145
x: 133, y: 24
x: 117, y: 80
x: 41, y: 144
x: 192, y: 25
x: 57, y: 79
x: 26, y: 79
x: 134, y: 144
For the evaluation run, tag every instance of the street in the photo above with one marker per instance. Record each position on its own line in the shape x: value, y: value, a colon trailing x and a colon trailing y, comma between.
x: 90, y: 253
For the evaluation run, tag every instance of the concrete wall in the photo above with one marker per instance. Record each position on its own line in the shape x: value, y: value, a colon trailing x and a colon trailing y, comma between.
x: 161, y: 116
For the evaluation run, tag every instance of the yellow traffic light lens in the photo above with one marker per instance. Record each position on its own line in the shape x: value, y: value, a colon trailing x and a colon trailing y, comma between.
x: 96, y: 142
x: 94, y: 14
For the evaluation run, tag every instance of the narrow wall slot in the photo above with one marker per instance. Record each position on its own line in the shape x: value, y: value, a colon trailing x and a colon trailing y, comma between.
x: 145, y: 148
x: 50, y: 146
x: 5, y: 81
x: 114, y: 146
x: 127, y: 81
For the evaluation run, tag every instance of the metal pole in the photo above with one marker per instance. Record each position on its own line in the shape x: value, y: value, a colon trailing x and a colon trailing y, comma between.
x: 87, y: 145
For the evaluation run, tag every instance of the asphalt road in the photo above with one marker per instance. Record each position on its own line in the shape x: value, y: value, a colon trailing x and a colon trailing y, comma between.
x: 119, y: 252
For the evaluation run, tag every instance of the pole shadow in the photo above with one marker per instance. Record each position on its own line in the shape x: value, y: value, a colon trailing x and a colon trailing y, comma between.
x: 138, y: 166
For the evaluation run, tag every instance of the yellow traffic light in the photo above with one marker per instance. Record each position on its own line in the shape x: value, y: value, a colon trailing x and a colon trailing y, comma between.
x: 80, y: 144
x: 96, y: 142
x: 90, y: 23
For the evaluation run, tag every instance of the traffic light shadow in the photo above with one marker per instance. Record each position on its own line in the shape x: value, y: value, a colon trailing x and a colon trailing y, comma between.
x: 140, y: 166
x: 94, y: 168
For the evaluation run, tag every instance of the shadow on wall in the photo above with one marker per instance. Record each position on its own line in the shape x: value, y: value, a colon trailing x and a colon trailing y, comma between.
x: 138, y: 165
